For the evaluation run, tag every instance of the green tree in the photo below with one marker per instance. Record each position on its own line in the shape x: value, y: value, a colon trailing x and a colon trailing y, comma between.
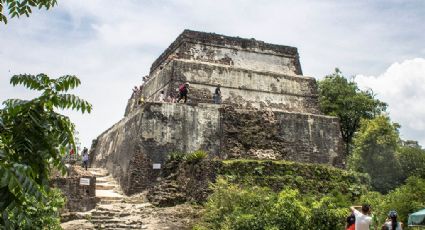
x: 375, y: 147
x: 328, y: 214
x: 343, y: 99
x: 239, y: 207
x: 17, y: 8
x: 405, y: 199
x: 33, y: 140
x: 412, y: 161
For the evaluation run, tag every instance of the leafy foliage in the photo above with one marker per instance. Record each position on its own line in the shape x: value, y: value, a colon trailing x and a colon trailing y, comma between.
x: 17, y: 8
x: 405, y: 199
x: 329, y: 213
x: 38, y: 214
x: 176, y: 156
x: 233, y: 207
x: 196, y: 156
x: 33, y: 140
x: 341, y: 98
x: 375, y: 147
x: 412, y: 161
x: 307, y: 178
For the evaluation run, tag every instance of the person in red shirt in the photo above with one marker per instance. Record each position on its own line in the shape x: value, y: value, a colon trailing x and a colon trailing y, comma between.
x: 183, y: 90
x: 351, y: 220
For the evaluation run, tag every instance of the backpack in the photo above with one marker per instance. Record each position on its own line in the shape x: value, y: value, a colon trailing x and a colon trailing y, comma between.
x: 181, y: 87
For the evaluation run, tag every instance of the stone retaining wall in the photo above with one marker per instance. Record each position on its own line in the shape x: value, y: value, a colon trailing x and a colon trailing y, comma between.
x: 80, y: 198
x: 148, y: 135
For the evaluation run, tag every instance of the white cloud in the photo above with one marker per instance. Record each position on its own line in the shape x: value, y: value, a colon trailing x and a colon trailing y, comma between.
x: 402, y: 86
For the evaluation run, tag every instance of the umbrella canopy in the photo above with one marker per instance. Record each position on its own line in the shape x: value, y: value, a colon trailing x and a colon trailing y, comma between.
x: 417, y: 218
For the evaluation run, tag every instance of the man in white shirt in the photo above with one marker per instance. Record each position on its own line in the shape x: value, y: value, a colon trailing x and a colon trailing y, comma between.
x: 363, y: 218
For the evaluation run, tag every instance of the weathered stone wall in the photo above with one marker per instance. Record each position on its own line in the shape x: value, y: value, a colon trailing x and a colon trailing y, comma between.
x: 240, y: 87
x: 149, y: 134
x: 80, y: 198
x: 233, y: 51
x: 130, y: 148
x: 253, y: 74
x: 280, y: 135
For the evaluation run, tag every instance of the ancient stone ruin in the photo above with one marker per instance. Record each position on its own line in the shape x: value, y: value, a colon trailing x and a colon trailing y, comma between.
x: 269, y: 110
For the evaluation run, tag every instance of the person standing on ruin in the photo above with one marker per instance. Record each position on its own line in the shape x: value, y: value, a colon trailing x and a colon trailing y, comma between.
x: 85, y: 158
x: 183, y: 90
x: 217, y: 95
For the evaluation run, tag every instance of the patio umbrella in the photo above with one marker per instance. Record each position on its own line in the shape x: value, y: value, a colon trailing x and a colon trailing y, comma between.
x: 417, y: 218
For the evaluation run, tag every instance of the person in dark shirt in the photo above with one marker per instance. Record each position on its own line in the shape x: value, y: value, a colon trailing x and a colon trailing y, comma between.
x: 183, y: 90
x: 217, y: 95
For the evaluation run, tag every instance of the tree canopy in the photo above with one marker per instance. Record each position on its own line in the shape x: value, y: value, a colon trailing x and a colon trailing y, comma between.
x: 17, y: 8
x: 33, y: 141
x: 412, y: 161
x: 375, y: 147
x: 343, y: 99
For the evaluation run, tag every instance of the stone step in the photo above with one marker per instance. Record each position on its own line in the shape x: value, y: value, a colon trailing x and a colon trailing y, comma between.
x: 98, y: 172
x: 106, y: 198
x: 105, y: 179
x: 105, y: 186
x: 105, y: 221
x: 98, y: 218
x: 108, y: 194
x: 120, y: 226
x: 103, y: 202
x: 109, y: 213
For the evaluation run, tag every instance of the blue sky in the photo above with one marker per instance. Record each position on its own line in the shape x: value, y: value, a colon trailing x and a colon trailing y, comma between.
x: 110, y: 45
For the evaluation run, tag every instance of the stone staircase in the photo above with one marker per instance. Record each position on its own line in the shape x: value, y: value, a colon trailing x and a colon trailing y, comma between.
x: 111, y: 212
x: 117, y: 211
x: 107, y: 189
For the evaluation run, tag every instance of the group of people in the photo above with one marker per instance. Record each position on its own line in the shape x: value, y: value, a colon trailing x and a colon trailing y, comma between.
x: 361, y: 219
x: 183, y: 91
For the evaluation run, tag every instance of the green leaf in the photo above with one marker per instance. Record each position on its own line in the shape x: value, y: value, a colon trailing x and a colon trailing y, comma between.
x: 33, y: 138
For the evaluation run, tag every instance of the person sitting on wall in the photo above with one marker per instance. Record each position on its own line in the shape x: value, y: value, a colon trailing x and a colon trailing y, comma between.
x: 183, y: 90
x: 217, y: 95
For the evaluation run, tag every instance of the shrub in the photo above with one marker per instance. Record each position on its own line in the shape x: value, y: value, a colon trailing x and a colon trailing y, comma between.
x: 412, y: 161
x: 38, y: 214
x: 252, y: 207
x: 326, y: 214
x: 231, y: 207
x: 176, y: 156
x: 196, y: 156
x: 289, y: 211
x: 405, y: 199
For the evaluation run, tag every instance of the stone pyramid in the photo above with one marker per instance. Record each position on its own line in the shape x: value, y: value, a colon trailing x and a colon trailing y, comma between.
x: 269, y: 110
